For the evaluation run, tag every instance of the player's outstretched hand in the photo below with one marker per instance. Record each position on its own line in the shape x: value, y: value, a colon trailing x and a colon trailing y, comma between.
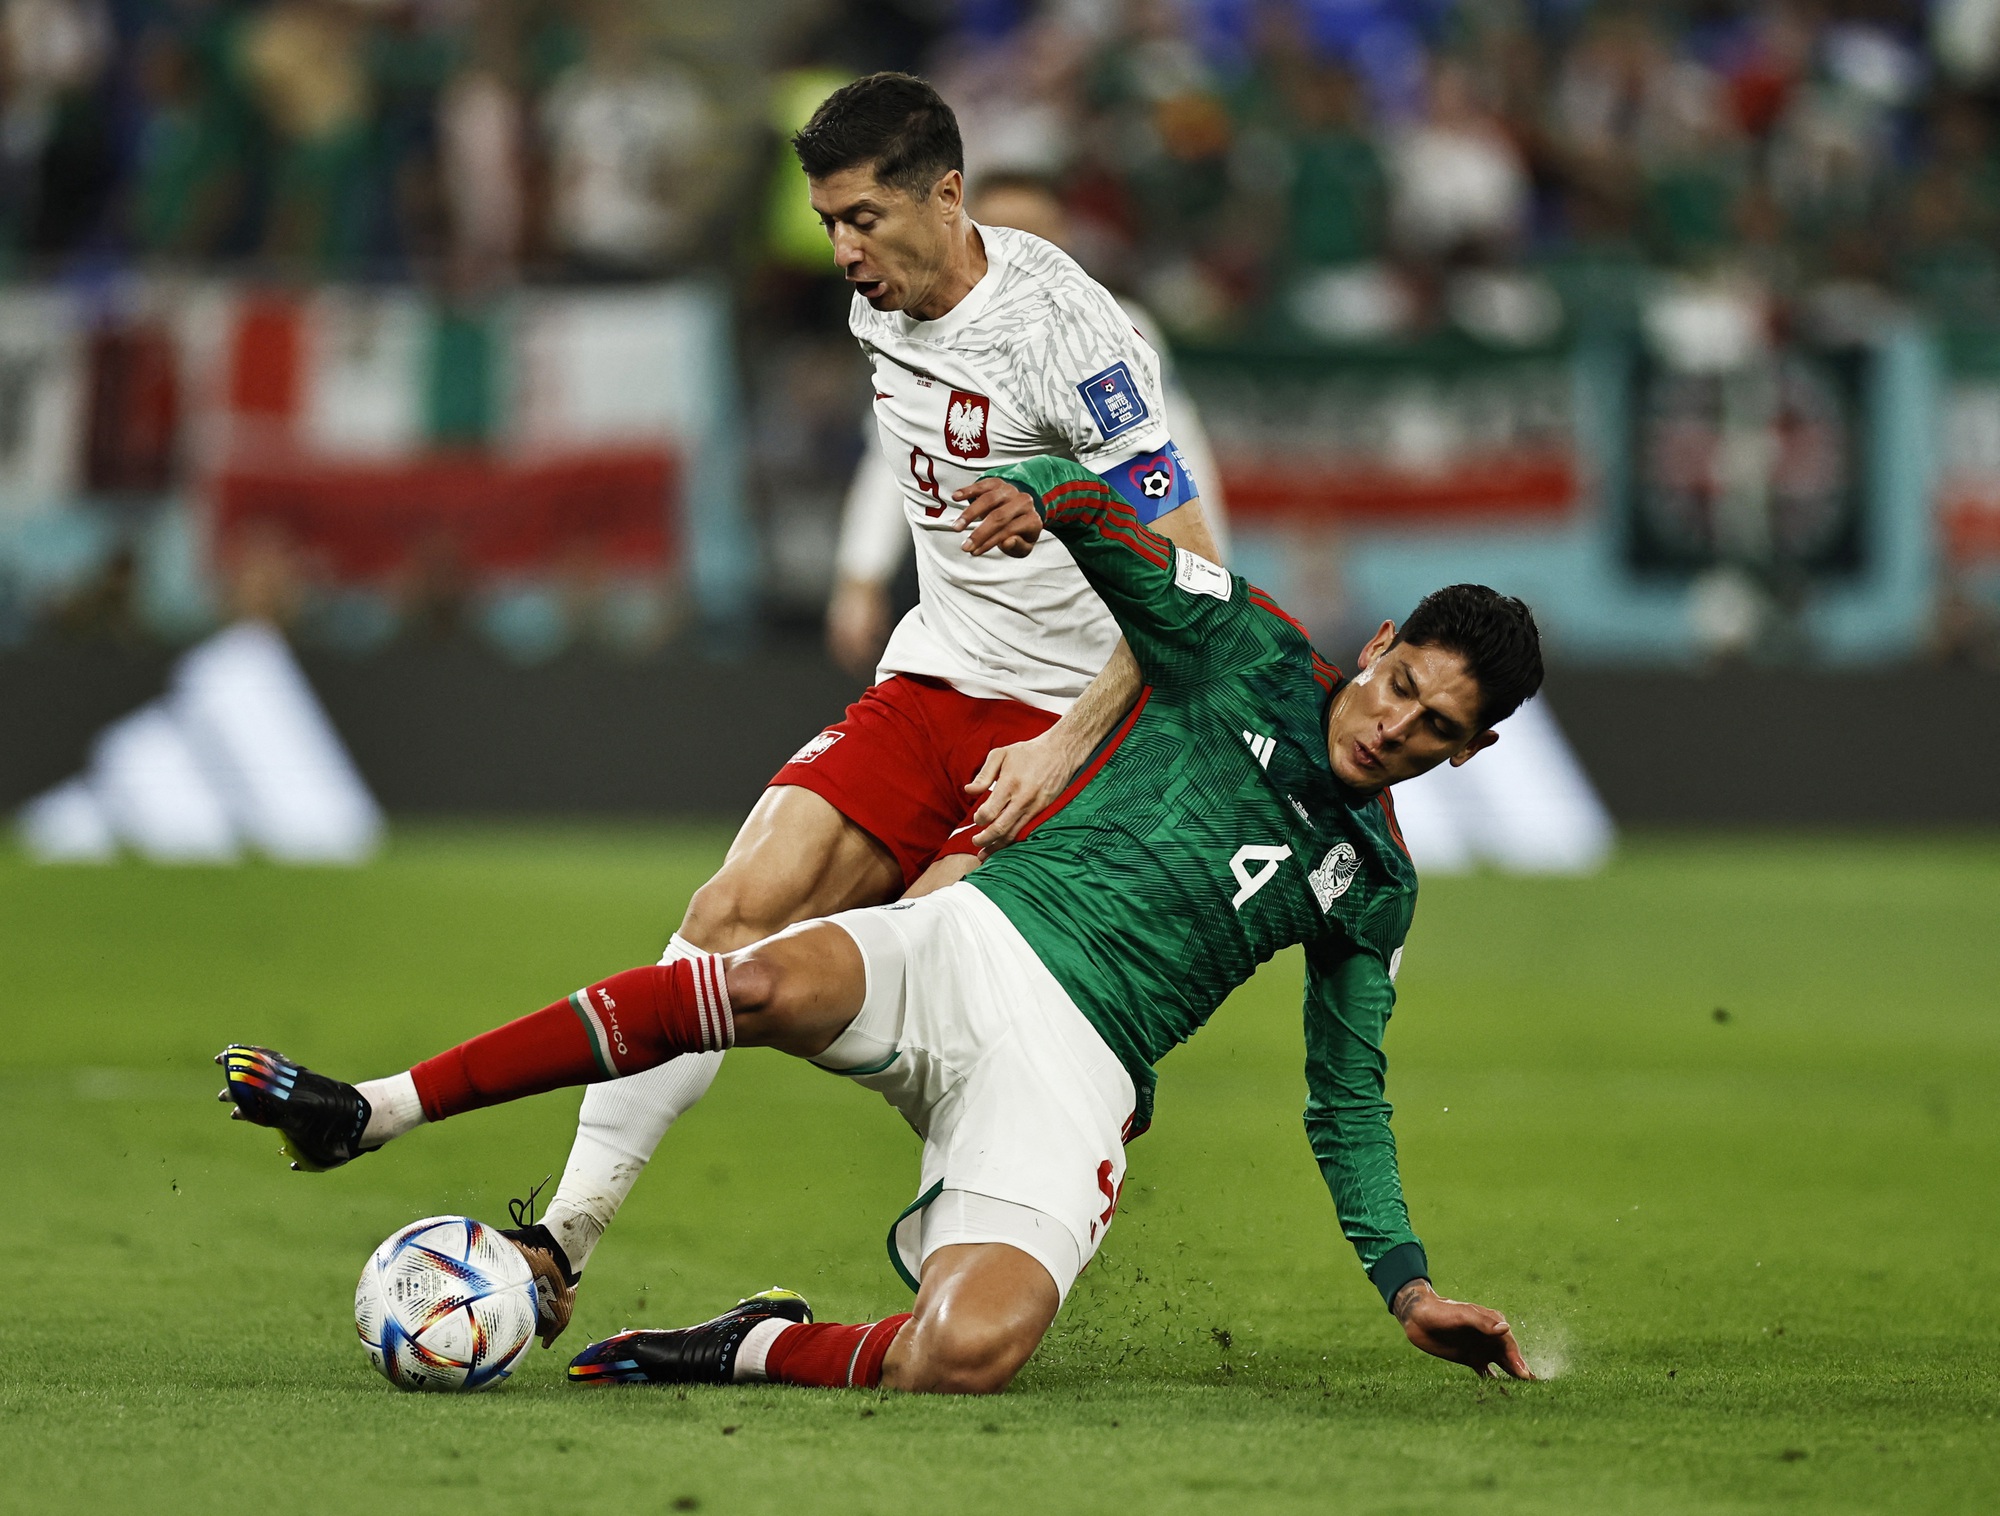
x: 1019, y: 781
x: 1459, y: 1331
x: 998, y: 515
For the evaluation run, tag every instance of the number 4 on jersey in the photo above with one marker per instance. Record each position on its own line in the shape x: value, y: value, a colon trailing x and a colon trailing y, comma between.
x: 1252, y: 880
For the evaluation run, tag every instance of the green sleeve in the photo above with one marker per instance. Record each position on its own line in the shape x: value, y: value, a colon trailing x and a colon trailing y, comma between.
x: 1348, y: 1000
x: 1182, y: 615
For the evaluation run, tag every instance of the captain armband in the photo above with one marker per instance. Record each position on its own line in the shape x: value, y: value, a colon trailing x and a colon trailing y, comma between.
x: 1153, y: 483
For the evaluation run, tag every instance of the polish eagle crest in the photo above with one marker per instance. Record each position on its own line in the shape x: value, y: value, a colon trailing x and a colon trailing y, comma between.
x: 965, y: 424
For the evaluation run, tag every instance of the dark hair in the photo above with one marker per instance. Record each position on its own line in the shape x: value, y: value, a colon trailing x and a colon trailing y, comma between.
x: 895, y: 122
x: 1496, y: 636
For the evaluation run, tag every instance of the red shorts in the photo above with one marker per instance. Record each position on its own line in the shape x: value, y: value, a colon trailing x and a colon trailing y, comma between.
x: 898, y: 764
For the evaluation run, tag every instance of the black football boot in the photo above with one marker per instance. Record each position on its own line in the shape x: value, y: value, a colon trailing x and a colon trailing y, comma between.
x: 322, y: 1119
x: 704, y: 1354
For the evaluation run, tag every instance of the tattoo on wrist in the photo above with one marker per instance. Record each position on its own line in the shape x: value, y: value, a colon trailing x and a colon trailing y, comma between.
x: 1407, y: 1298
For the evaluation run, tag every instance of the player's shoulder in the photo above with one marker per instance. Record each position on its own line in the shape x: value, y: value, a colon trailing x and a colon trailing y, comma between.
x: 1144, y: 323
x: 1289, y: 635
x: 1395, y: 851
x: 1039, y: 276
x: 1027, y: 259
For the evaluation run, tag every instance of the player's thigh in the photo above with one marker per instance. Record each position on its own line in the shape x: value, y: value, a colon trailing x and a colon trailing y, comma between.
x: 980, y: 1314
x: 795, y: 857
x: 1021, y: 1103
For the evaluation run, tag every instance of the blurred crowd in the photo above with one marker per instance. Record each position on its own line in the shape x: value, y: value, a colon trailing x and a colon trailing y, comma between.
x: 1326, y: 161
x: 467, y: 140
x: 1350, y: 167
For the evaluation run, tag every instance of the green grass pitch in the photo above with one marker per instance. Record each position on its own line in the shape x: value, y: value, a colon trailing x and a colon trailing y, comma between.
x: 1717, y: 1129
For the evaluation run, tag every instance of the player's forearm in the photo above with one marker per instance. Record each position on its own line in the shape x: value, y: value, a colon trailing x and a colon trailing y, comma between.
x: 1187, y: 526
x: 1101, y: 706
x: 874, y: 533
x: 1180, y: 612
x: 1349, y: 996
x: 1155, y: 598
x: 857, y: 624
x: 1356, y: 1154
x: 1390, y: 1253
x: 859, y: 587
x: 1350, y: 1137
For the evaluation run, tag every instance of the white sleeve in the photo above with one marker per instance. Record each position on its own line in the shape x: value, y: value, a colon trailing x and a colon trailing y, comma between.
x: 1095, y: 380
x: 874, y: 533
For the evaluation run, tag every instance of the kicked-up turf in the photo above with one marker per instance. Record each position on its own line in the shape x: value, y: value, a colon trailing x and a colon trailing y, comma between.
x: 1717, y: 1129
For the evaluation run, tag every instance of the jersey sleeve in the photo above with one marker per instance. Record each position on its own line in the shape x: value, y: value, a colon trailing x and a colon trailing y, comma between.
x: 1348, y: 999
x: 1095, y: 381
x: 1183, y: 616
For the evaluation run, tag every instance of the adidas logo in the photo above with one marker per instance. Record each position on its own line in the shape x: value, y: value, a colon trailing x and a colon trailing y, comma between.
x: 1261, y: 748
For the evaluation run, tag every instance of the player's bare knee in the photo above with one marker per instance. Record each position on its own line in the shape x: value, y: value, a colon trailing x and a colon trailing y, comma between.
x: 713, y: 919
x: 960, y: 1357
x: 772, y: 1000
x: 755, y: 984
x: 976, y: 1376
x: 731, y: 912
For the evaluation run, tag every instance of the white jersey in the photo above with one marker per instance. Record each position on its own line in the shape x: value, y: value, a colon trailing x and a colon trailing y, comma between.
x: 1036, y: 359
x: 875, y: 535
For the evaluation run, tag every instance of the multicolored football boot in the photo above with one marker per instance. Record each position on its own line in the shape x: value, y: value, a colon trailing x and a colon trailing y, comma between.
x: 704, y: 1354
x: 322, y: 1119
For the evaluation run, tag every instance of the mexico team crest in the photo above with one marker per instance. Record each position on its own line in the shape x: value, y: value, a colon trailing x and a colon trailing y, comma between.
x: 1335, y: 873
x: 965, y: 424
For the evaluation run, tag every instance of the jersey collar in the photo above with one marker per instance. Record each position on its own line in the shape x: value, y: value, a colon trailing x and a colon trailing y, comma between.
x: 1326, y: 716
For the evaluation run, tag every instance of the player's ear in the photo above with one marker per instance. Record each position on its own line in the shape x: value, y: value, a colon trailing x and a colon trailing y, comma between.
x: 1478, y: 744
x: 1377, y: 645
x: 948, y: 194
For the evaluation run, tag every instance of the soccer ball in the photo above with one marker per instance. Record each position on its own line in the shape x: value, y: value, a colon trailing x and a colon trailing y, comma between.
x: 445, y: 1304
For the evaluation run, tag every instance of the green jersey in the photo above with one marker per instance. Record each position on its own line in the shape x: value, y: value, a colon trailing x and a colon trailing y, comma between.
x: 1208, y: 833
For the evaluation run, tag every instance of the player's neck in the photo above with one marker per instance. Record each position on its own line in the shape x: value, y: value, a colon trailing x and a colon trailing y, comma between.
x: 963, y: 268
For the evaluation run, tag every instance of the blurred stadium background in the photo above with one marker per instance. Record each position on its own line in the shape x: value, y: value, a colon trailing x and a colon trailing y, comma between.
x: 490, y: 352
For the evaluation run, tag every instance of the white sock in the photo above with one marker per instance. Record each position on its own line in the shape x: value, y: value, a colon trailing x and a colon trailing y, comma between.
x: 393, y: 1108
x: 756, y: 1348
x: 621, y: 1123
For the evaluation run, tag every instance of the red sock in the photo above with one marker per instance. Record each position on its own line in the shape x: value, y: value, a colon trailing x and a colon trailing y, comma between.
x: 831, y: 1356
x: 618, y: 1026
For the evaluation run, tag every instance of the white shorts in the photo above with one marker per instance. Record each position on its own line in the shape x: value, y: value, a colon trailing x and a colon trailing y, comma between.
x: 1021, y: 1106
